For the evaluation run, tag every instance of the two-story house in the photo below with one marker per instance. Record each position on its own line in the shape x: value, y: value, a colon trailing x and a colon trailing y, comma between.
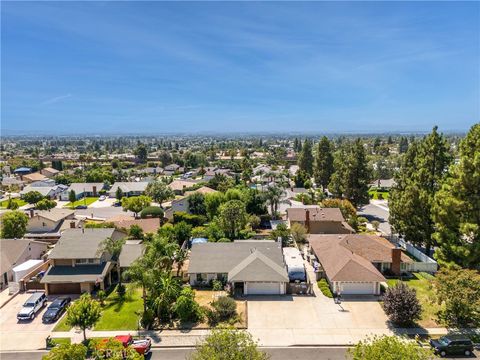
x: 79, y: 262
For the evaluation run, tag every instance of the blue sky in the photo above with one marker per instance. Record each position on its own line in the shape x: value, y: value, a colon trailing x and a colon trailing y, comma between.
x: 151, y: 67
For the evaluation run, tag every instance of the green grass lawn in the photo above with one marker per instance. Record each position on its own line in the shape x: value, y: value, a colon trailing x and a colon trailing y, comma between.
x: 375, y: 194
x: 60, y: 341
x: 62, y: 325
x: 422, y: 283
x: 121, y: 314
x: 20, y: 202
x: 87, y: 201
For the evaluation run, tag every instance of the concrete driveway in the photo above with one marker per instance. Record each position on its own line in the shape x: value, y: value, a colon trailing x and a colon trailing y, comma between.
x: 103, y: 204
x: 307, y: 320
x: 12, y: 331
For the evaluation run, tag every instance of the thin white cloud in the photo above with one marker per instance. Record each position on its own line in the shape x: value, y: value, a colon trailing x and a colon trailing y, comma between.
x: 56, y: 99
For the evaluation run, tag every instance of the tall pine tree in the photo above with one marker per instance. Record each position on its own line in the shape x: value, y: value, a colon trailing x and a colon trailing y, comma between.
x: 456, y: 210
x: 323, y: 162
x: 305, y: 160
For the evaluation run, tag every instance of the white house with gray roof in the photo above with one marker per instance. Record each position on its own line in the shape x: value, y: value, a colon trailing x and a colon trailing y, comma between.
x: 131, y: 188
x: 251, y: 267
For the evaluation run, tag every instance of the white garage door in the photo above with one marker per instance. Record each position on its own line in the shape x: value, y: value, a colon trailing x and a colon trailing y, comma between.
x: 357, y: 288
x: 263, y: 288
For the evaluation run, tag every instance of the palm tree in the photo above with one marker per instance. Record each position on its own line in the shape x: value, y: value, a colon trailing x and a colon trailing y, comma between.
x: 180, y: 257
x: 163, y: 252
x: 167, y: 289
x: 274, y: 197
x: 140, y: 274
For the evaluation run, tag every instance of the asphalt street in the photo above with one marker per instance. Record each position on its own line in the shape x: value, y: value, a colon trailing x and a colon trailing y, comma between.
x: 279, y: 353
x: 379, y: 213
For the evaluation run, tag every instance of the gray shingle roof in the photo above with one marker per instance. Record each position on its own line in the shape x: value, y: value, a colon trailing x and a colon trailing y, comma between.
x: 79, y: 188
x: 55, y: 214
x: 258, y: 267
x: 130, y: 253
x: 224, y: 257
x: 80, y: 243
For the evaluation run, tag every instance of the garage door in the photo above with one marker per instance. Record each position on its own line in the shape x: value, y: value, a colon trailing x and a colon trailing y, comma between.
x: 259, y: 288
x: 63, y: 289
x: 357, y: 288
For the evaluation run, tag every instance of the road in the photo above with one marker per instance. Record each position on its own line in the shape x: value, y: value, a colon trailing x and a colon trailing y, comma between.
x: 379, y: 213
x: 280, y: 353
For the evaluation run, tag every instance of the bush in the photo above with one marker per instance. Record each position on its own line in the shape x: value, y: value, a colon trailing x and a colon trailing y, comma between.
x: 121, y: 290
x: 152, y: 211
x: 224, y: 239
x: 217, y: 285
x: 401, y: 304
x: 212, y: 316
x: 186, y: 308
x: 325, y: 288
x: 146, y: 321
x: 193, y: 220
x: 225, y: 307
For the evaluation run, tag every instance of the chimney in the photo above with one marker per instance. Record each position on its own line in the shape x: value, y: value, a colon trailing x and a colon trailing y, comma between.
x: 94, y: 189
x: 396, y: 259
x: 72, y: 224
x: 307, y: 220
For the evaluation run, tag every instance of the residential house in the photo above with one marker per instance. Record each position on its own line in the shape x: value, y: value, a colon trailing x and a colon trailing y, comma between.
x: 150, y: 225
x: 353, y: 263
x: 33, y: 177
x: 130, y: 188
x: 12, y: 182
x: 48, y: 224
x: 82, y: 190
x: 15, y: 252
x: 173, y: 169
x: 385, y: 184
x: 79, y: 262
x: 131, y: 251
x: 22, y: 171
x: 212, y: 171
x: 318, y: 220
x: 181, y: 204
x: 47, y: 188
x: 49, y: 172
x: 250, y: 267
x: 179, y: 185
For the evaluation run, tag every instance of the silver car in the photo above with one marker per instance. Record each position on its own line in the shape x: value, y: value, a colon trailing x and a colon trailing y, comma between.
x: 34, y: 304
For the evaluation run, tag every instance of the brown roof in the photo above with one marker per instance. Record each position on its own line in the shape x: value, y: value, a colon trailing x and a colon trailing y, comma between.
x: 316, y: 213
x: 340, y: 263
x: 177, y: 185
x: 34, y: 177
x: 372, y: 247
x: 55, y: 214
x: 202, y: 190
x: 147, y: 225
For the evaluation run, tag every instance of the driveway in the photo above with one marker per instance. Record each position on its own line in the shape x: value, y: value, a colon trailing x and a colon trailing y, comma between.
x: 108, y: 202
x: 377, y: 211
x: 13, y: 332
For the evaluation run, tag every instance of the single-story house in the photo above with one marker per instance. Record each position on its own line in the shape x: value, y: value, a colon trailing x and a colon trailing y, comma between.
x: 83, y: 190
x: 181, y: 204
x: 12, y: 182
x: 79, y: 263
x: 353, y: 263
x: 173, y: 169
x: 386, y: 184
x: 150, y: 225
x: 46, y: 188
x: 318, y: 220
x: 250, y: 267
x: 178, y: 186
x: 46, y: 221
x: 29, y: 178
x: 49, y: 172
x: 15, y: 252
x: 130, y: 188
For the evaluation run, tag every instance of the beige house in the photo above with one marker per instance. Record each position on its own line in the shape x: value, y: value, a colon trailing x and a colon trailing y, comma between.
x: 318, y: 220
x: 49, y: 172
x: 45, y: 221
x: 79, y: 264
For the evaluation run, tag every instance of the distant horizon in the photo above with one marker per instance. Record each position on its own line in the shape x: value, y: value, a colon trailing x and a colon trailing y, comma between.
x: 102, y: 67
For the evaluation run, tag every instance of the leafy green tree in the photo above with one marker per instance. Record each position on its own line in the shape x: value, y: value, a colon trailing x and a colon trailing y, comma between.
x: 32, y: 197
x: 67, y: 352
x: 459, y: 290
x: 196, y: 204
x: 403, y: 145
x: 352, y: 174
x: 159, y: 192
x: 165, y: 291
x: 141, y: 153
x: 323, y: 163
x: 45, y: 204
x: 228, y: 344
x: 419, y: 178
x: 298, y: 232
x: 84, y: 313
x: 182, y: 231
x: 72, y: 197
x: 186, y: 308
x: 389, y: 347
x: 136, y: 204
x: 225, y: 307
x: 135, y: 232
x: 254, y: 201
x: 213, y: 202
x: 111, y: 246
x: 282, y: 232
x: 456, y: 209
x: 401, y: 304
x: 119, y: 194
x: 11, y: 204
x: 14, y: 224
x: 305, y: 159
x: 232, y: 217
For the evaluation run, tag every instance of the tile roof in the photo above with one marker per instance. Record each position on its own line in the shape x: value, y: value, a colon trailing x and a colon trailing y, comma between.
x: 316, y: 214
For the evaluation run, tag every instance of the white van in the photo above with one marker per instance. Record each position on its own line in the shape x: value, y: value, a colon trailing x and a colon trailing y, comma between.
x: 34, y: 304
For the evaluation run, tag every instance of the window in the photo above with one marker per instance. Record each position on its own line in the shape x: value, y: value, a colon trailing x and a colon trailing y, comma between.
x: 201, y: 277
x: 86, y: 261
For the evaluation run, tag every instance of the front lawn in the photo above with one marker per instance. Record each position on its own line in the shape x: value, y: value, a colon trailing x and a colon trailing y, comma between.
x: 422, y: 283
x: 62, y: 325
x: 121, y: 313
x: 20, y: 202
x: 87, y: 201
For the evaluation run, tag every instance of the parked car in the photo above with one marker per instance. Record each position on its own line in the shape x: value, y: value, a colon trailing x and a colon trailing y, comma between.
x: 141, y: 346
x: 80, y: 207
x: 102, y: 198
x: 34, y: 304
x: 452, y: 345
x: 56, y: 309
x: 117, y: 204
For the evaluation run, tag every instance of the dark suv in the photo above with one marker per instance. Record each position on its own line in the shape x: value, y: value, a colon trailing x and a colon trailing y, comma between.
x: 452, y: 345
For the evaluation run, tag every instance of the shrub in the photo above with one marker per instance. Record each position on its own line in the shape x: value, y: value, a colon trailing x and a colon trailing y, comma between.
x: 186, y: 308
x: 146, y: 321
x: 199, y: 232
x: 325, y: 288
x: 212, y: 316
x: 193, y: 220
x: 401, y: 304
x: 217, y: 285
x: 101, y: 296
x: 152, y: 211
x: 224, y: 239
x: 225, y: 307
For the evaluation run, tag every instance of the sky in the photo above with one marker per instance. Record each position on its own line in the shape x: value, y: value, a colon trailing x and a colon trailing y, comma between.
x: 199, y: 67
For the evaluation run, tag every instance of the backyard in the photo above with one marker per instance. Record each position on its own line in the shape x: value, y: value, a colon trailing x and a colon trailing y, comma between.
x: 422, y: 283
x: 84, y: 201
x: 20, y: 202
